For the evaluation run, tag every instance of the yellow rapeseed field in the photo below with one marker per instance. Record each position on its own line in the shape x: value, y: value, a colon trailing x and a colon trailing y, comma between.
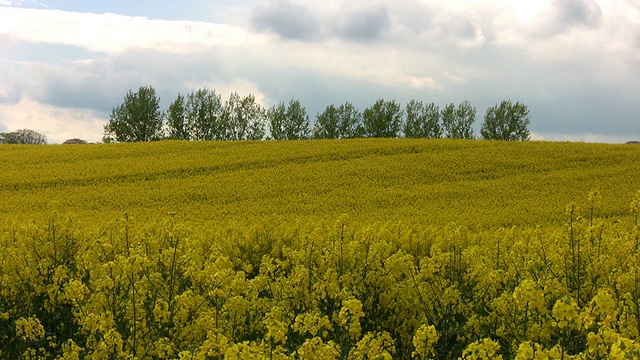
x: 475, y: 183
x: 340, y: 249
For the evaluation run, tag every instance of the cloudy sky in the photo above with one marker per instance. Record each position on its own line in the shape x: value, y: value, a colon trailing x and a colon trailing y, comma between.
x: 575, y: 63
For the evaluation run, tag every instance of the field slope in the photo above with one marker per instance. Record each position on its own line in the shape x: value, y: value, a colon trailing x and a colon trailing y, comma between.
x: 475, y: 183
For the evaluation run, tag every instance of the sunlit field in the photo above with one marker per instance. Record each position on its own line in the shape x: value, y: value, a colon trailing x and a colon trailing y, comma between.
x: 320, y: 249
x: 477, y: 184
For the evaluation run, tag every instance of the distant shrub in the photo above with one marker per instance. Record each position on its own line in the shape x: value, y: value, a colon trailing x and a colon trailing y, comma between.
x: 75, y: 141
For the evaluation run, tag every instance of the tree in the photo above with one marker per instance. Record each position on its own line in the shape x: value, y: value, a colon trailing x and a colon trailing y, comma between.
x: 458, y: 122
x: 75, y: 141
x: 23, y: 136
x: 448, y: 115
x: 506, y: 122
x: 327, y: 124
x: 8, y: 138
x: 336, y: 123
x: 350, y: 124
x: 297, y: 125
x: 277, y: 116
x: 178, y: 125
x: 423, y: 121
x: 382, y: 119
x: 204, y: 112
x: 290, y: 122
x: 138, y: 118
x: 244, y: 117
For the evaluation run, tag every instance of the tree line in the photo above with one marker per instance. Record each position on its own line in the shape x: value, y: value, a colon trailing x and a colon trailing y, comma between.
x: 23, y: 136
x: 203, y: 115
x: 31, y: 137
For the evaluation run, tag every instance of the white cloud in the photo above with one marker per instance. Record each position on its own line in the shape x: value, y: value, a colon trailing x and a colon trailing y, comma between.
x: 590, y: 138
x: 241, y: 86
x: 422, y: 82
x: 58, y: 124
x: 22, y: 3
x: 116, y: 33
x: 457, y: 27
x: 570, y: 30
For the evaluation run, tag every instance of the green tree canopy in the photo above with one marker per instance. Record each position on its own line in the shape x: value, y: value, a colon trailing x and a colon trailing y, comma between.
x: 507, y: 122
x: 350, y: 124
x: 75, y: 141
x: 341, y: 122
x: 382, y: 119
x: 297, y: 125
x: 178, y: 126
x: 23, y: 136
x: 327, y: 124
x: 204, y: 114
x: 423, y: 121
x: 289, y: 122
x: 244, y: 117
x: 457, y: 122
x: 138, y: 118
x: 277, y: 116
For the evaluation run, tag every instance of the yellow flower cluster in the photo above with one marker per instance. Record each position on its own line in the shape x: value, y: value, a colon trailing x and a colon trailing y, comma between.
x: 29, y: 328
x: 320, y: 290
x: 565, y: 313
x: 485, y: 349
x: 424, y: 340
x: 528, y: 296
x: 349, y: 317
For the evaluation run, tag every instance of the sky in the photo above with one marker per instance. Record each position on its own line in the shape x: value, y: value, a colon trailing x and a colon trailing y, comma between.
x: 64, y: 65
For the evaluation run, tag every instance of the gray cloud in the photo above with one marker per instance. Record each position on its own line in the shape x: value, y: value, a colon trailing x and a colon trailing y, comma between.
x: 365, y: 24
x: 101, y: 84
x: 9, y: 94
x: 461, y: 28
x: 565, y: 15
x: 569, y: 114
x: 286, y: 19
x: 585, y: 13
x: 315, y: 90
x: 58, y: 54
x: 299, y: 21
x: 16, y: 80
x: 437, y: 28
